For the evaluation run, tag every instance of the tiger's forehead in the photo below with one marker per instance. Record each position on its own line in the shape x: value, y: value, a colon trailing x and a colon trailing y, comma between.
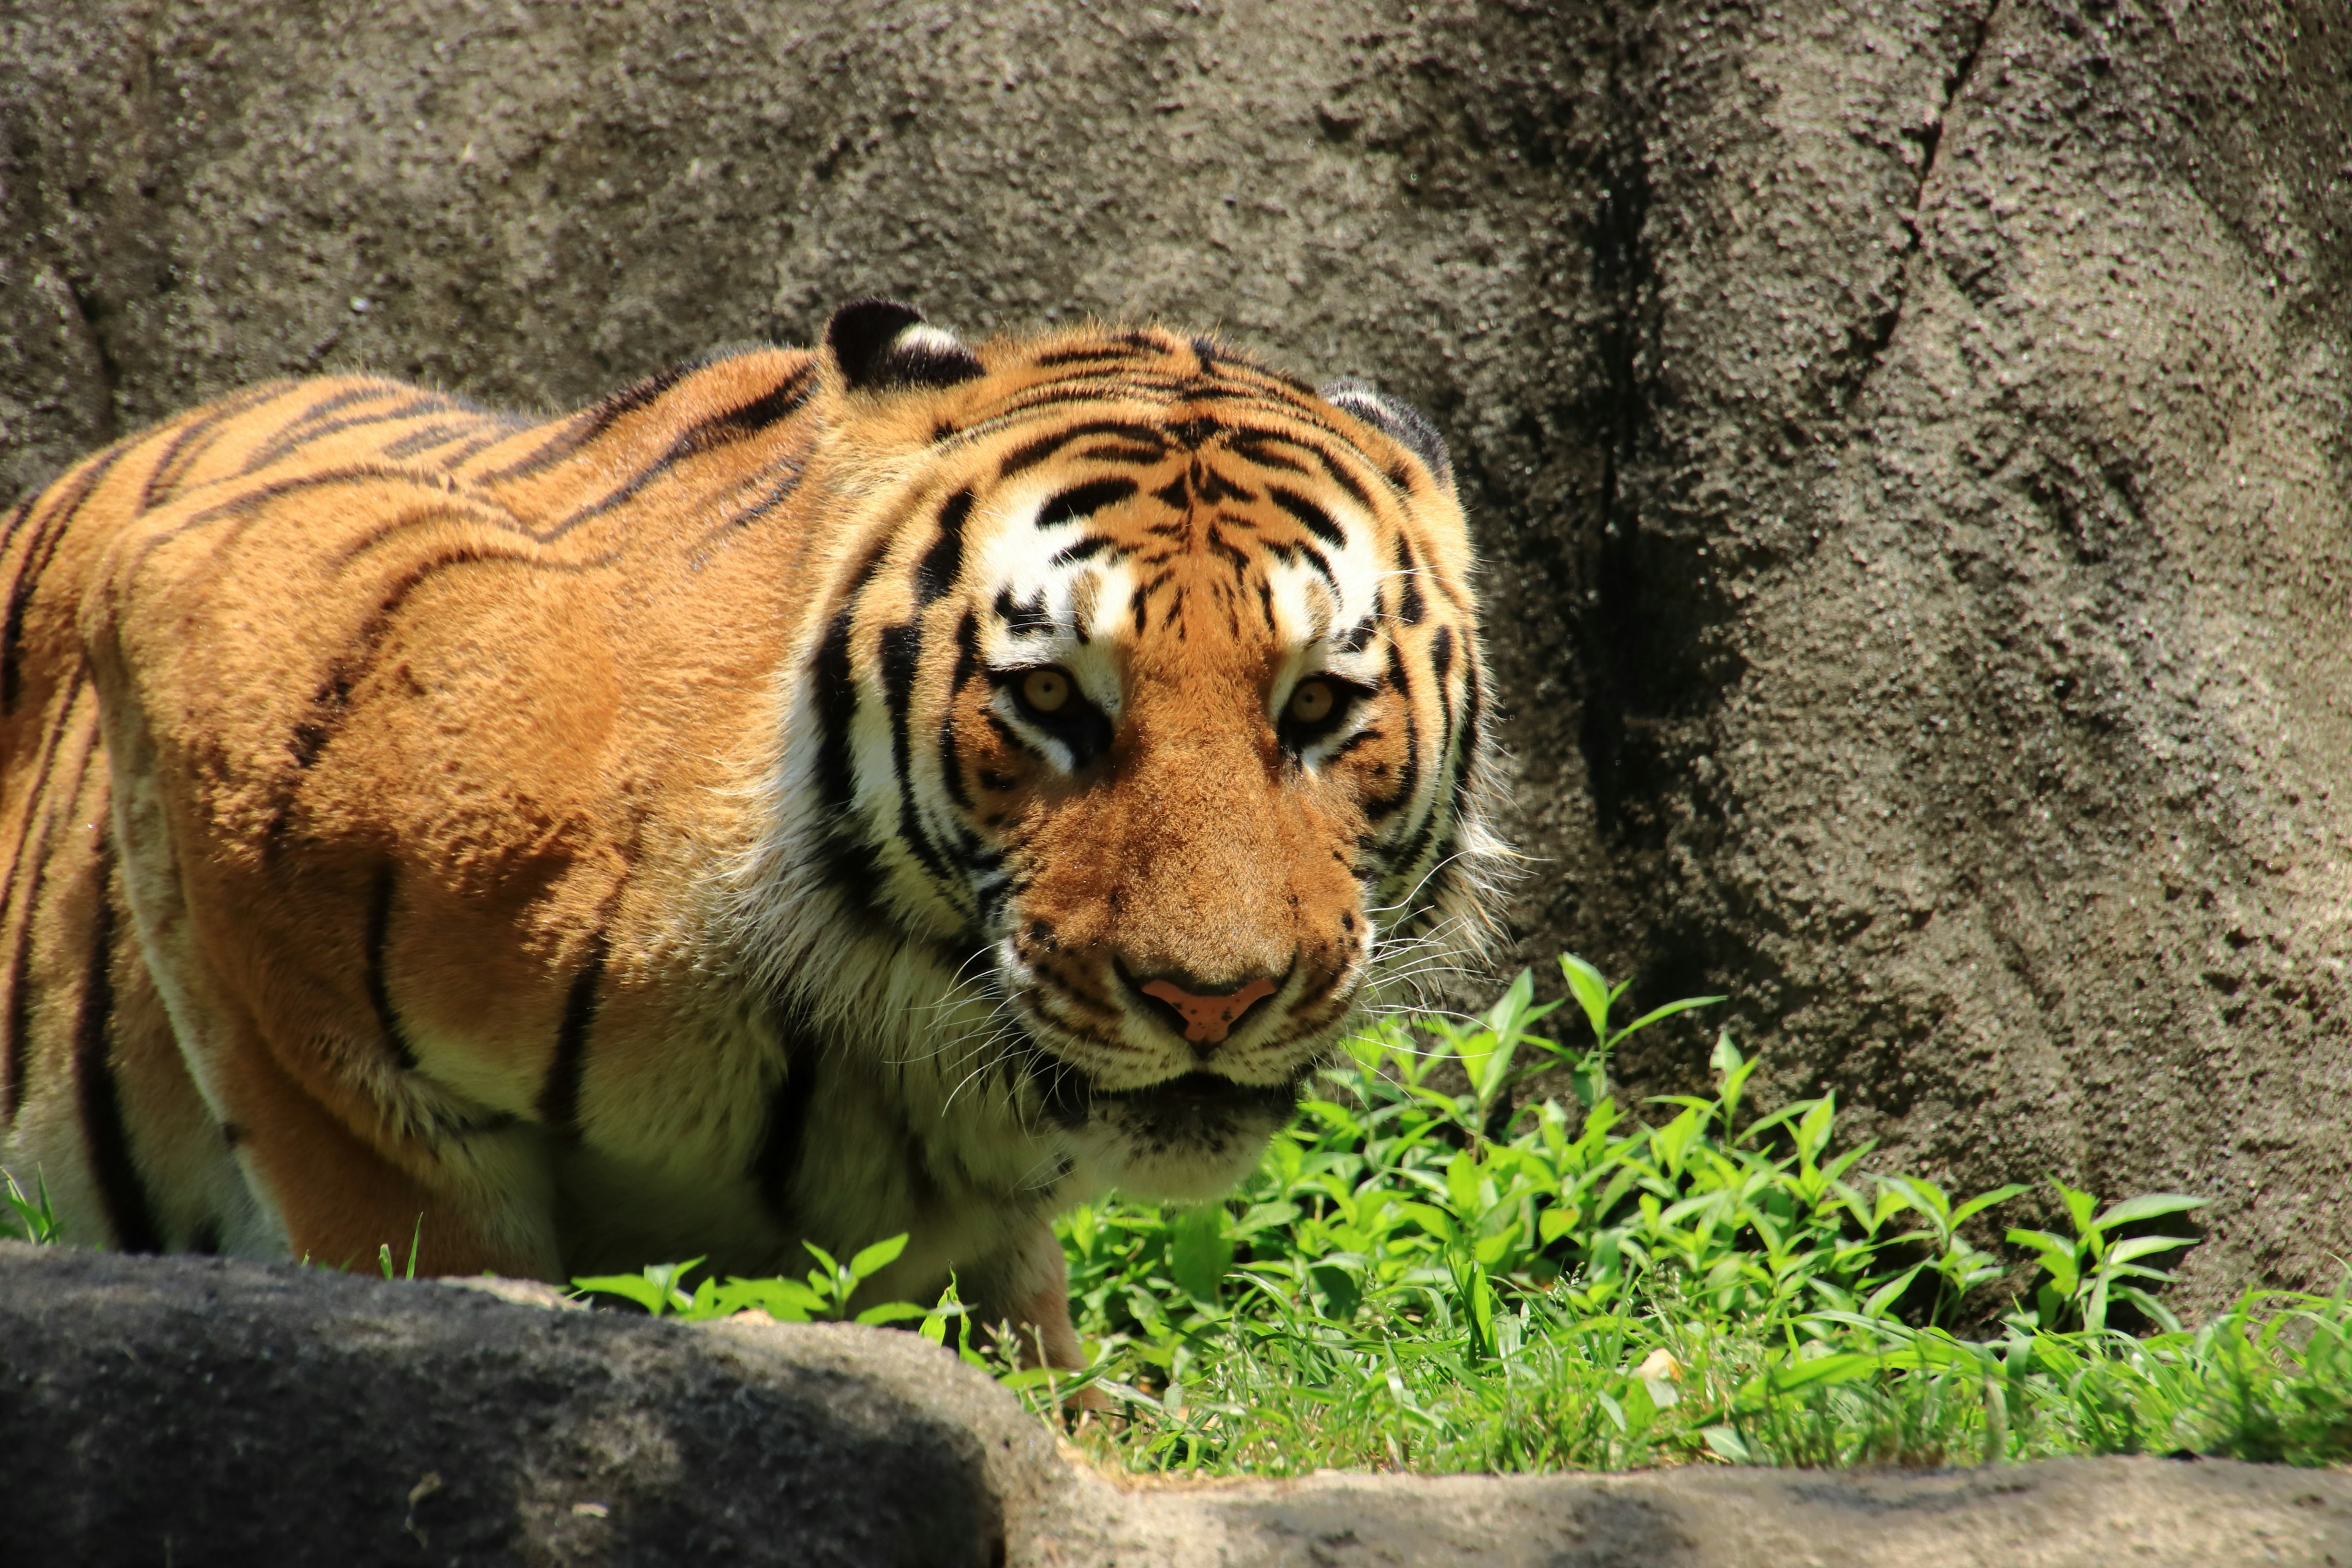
x: 1198, y: 544
x: 1112, y: 489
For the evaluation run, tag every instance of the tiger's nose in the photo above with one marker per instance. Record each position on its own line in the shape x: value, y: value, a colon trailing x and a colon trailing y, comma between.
x: 1209, y: 1017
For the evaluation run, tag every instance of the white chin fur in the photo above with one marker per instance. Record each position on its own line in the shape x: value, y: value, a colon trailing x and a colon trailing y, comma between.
x: 1163, y: 1171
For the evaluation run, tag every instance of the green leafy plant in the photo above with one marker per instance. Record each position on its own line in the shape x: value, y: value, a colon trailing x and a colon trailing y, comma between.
x: 2088, y: 1271
x: 28, y: 1218
x: 1440, y: 1278
x: 383, y: 1253
x: 823, y: 1295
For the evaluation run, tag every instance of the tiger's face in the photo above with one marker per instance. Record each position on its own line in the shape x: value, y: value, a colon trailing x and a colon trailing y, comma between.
x: 1171, y: 716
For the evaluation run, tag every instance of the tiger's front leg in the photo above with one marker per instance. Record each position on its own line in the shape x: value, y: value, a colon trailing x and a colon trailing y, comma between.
x: 344, y: 1151
x: 1027, y: 1286
x: 462, y: 1202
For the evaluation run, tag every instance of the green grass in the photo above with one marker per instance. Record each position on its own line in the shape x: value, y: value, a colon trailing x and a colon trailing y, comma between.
x: 1427, y: 1279
x: 1479, y: 1278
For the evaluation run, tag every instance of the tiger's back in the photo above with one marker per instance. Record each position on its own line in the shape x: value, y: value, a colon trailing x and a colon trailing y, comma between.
x: 807, y: 795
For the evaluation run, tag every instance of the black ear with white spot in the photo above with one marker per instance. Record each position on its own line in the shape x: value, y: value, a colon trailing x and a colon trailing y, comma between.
x: 1403, y: 423
x: 881, y: 344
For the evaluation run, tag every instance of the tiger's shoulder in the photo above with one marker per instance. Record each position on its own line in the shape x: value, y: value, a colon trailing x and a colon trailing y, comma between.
x: 328, y: 599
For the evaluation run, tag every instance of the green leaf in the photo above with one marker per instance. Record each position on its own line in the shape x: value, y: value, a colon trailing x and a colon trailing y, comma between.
x: 1200, y: 1252
x: 2147, y: 1207
x: 1983, y: 1201
x: 1592, y: 992
x: 1724, y: 1444
x: 1725, y: 1056
x: 1886, y: 1295
x: 935, y: 1322
x: 2142, y: 1246
x: 1486, y: 1053
x: 1826, y: 1370
x: 1814, y: 1132
x: 873, y: 1259
x: 1655, y: 1014
x: 892, y: 1312
x: 2079, y: 1206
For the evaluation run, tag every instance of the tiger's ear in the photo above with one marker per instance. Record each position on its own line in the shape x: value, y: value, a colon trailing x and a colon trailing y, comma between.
x: 881, y: 344
x: 1403, y: 423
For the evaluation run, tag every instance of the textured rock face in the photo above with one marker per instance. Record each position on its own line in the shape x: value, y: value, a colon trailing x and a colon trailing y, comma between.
x: 1908, y: 438
x: 198, y: 1412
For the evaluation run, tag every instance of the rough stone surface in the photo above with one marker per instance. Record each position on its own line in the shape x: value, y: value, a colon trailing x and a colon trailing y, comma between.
x: 1909, y: 439
x: 197, y: 1411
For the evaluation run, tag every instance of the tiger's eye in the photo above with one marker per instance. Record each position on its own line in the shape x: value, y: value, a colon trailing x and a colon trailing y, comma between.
x: 1311, y: 701
x: 1046, y: 691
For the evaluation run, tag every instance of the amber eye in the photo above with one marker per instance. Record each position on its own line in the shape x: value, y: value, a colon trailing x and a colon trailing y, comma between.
x: 1311, y: 701
x: 1046, y: 691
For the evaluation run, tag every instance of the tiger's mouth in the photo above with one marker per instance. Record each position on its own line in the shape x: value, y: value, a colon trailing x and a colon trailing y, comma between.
x: 1186, y: 1139
x: 1202, y: 1094
x: 1189, y: 1101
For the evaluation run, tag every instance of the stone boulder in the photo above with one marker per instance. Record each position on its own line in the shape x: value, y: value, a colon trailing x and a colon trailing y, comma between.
x: 197, y: 1411
x: 1907, y: 438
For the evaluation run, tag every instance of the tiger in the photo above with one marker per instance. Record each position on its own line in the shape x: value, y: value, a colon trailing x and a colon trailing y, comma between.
x: 895, y: 788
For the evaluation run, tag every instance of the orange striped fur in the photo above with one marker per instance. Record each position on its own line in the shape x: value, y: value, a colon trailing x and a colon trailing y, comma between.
x: 660, y: 832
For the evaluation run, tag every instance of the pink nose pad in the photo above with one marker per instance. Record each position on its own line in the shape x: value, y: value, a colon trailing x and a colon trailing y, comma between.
x: 1208, y: 1018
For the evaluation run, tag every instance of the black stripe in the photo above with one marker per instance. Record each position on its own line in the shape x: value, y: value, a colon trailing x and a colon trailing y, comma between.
x: 17, y: 516
x: 1412, y: 606
x: 424, y: 438
x: 414, y: 408
x: 1473, y: 715
x: 120, y: 1191
x: 558, y: 1096
x: 204, y: 430
x: 1045, y: 447
x: 1313, y: 518
x: 379, y: 932
x: 1083, y: 501
x: 776, y: 494
x: 1237, y: 558
x: 330, y: 702
x: 20, y: 985
x: 942, y: 564
x: 589, y: 425
x: 849, y: 860
x: 48, y: 534
x: 1315, y: 559
x: 776, y: 1163
x: 292, y: 433
x: 1083, y: 550
x: 1253, y: 449
x: 703, y: 436
x: 836, y: 710
x: 1409, y: 777
x: 902, y: 654
x: 1338, y: 472
x: 967, y: 667
x: 1023, y: 619
x: 1214, y: 487
x: 1085, y: 356
x: 1443, y: 657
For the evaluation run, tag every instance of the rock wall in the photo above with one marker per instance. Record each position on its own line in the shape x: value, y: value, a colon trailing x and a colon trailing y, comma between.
x: 1908, y: 438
